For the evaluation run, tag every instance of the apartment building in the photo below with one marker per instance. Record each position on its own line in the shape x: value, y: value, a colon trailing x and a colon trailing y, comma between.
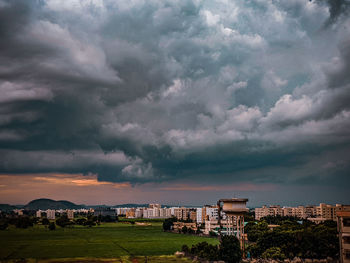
x: 105, y: 211
x: 38, y: 214
x: 155, y: 206
x: 343, y: 221
x: 273, y: 210
x: 70, y: 214
x: 314, y: 213
x: 130, y: 213
x: 50, y: 214
x: 206, y: 213
x: 325, y: 211
x: 182, y: 213
x: 138, y: 212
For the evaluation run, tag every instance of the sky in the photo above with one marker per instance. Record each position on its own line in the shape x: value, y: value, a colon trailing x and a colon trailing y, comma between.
x: 175, y: 101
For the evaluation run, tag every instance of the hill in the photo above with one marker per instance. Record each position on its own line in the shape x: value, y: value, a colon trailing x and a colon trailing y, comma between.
x: 44, y: 204
x: 130, y: 205
x: 6, y: 207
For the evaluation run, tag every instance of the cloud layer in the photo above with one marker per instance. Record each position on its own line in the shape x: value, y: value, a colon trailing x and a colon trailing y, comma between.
x: 154, y: 91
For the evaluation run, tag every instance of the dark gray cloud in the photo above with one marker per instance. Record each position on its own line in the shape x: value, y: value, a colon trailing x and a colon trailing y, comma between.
x: 156, y: 91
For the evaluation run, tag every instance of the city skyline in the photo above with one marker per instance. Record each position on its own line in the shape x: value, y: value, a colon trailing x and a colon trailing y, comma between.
x: 178, y: 102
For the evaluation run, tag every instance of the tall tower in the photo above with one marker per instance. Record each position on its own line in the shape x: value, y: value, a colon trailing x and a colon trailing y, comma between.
x: 234, y: 208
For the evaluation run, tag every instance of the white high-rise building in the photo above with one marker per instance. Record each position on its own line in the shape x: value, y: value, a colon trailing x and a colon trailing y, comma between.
x: 38, y: 213
x: 50, y: 214
x: 199, y: 212
x: 70, y: 214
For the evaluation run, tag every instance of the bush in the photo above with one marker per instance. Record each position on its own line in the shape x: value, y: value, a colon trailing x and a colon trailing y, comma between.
x: 185, y: 249
x: 212, y: 234
x: 184, y: 229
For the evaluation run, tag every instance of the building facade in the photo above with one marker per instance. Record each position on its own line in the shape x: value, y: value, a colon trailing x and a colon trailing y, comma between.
x: 343, y: 222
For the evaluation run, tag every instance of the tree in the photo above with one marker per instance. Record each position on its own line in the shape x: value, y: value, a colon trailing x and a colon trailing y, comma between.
x: 205, y: 251
x: 184, y: 229
x: 168, y: 223
x: 23, y: 222
x: 80, y: 221
x: 274, y: 253
x: 52, y: 226
x: 3, y: 224
x: 63, y: 221
x: 230, y: 250
x: 45, y: 221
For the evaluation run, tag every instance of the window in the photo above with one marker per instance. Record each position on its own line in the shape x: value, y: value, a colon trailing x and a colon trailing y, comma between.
x: 346, y: 222
x: 346, y: 240
x: 347, y: 254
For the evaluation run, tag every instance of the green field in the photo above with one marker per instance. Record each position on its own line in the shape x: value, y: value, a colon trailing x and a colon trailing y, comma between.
x: 109, y: 240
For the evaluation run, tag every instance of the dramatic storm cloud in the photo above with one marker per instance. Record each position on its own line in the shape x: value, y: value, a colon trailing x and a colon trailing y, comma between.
x: 185, y: 92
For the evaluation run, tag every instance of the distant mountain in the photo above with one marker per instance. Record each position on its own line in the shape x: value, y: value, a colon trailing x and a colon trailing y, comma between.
x: 131, y: 205
x: 44, y: 204
x: 6, y: 207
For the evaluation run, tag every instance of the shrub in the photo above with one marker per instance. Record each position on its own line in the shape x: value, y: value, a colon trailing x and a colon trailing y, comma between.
x: 212, y: 234
x: 185, y: 249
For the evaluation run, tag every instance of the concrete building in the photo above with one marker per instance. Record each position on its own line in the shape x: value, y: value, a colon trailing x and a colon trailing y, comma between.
x: 147, y: 213
x: 38, y: 214
x: 273, y: 210
x: 138, y: 212
x: 343, y: 221
x: 319, y: 213
x: 70, y: 214
x: 325, y: 211
x: 155, y: 206
x: 105, y: 211
x: 130, y: 213
x: 51, y: 214
x: 199, y: 217
x: 179, y: 225
x: 182, y: 213
x: 193, y: 215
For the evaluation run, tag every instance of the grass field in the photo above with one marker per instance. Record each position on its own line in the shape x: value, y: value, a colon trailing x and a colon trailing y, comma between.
x: 109, y: 240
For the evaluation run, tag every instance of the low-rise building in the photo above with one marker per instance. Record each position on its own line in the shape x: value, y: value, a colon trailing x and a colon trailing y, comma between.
x: 213, y: 225
x: 179, y: 225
